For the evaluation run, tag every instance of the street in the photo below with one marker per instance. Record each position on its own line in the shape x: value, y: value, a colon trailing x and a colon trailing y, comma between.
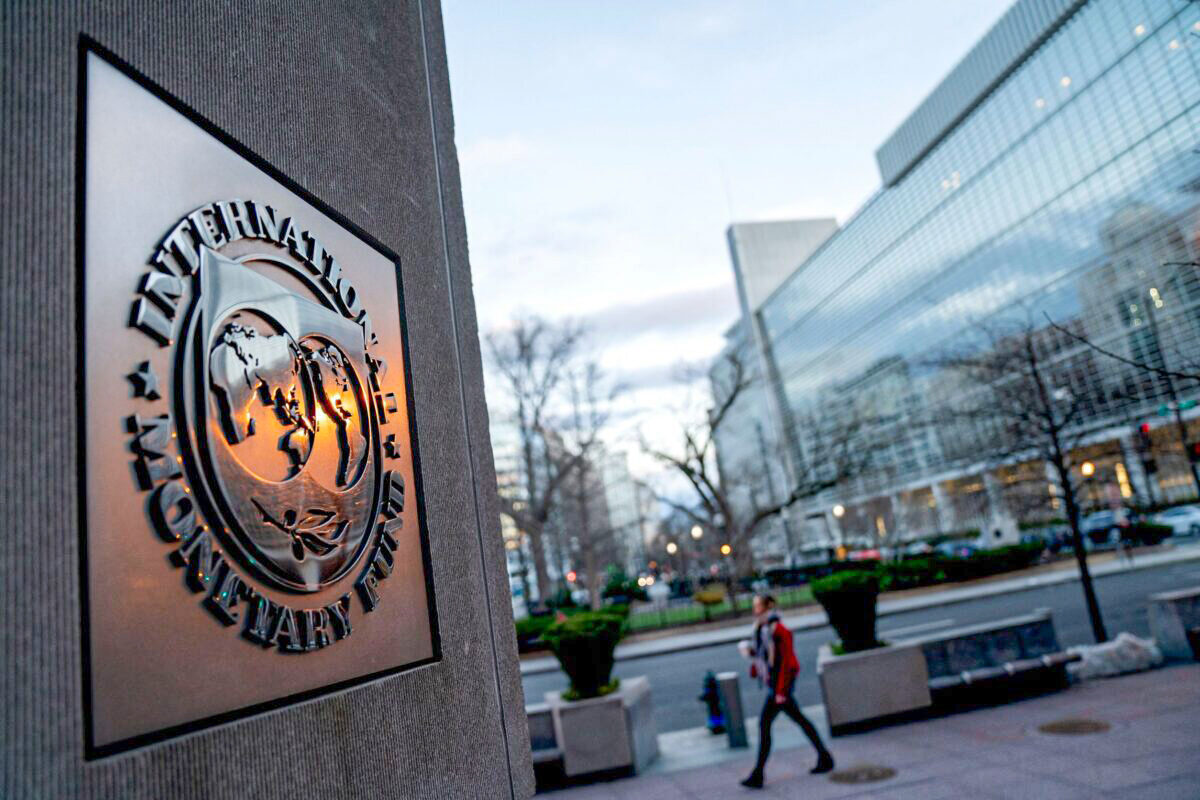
x: 675, y: 678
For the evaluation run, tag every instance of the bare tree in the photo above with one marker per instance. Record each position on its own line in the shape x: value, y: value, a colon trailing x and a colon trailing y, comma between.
x: 832, y: 455
x: 590, y: 397
x: 532, y: 357
x: 1008, y: 400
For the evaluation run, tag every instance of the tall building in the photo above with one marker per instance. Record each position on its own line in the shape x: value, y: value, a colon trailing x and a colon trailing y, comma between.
x: 631, y: 511
x: 1053, y: 174
x: 600, y: 515
x: 511, y: 483
x: 765, y: 254
x: 751, y: 440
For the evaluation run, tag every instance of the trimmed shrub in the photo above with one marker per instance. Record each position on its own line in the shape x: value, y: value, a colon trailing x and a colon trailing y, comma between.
x: 618, y: 609
x: 910, y: 574
x: 561, y: 600
x: 530, y: 630
x: 848, y: 598
x: 1151, y: 532
x: 584, y: 645
x: 710, y: 596
x: 622, y: 587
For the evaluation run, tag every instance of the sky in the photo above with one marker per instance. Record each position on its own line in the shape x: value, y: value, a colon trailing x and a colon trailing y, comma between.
x: 606, y: 146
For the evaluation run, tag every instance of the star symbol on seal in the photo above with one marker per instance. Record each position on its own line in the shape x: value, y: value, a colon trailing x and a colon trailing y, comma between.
x: 390, y: 447
x: 145, y: 382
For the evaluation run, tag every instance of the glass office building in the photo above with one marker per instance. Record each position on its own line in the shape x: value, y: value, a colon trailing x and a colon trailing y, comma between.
x: 1054, y: 173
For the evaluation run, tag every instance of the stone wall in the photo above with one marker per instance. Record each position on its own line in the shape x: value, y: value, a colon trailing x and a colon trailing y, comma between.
x: 352, y: 101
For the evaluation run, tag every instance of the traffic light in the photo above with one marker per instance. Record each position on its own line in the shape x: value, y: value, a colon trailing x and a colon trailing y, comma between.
x: 1193, y: 451
x: 1143, y: 438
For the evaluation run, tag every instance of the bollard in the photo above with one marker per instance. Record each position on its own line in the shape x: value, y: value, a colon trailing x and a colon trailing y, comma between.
x: 731, y: 703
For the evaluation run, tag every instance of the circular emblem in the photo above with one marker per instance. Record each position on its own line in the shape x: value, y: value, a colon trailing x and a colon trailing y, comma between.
x: 272, y: 480
x: 274, y: 406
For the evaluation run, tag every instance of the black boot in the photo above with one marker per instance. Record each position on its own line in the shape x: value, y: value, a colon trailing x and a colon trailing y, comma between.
x: 755, y: 781
x: 824, y: 764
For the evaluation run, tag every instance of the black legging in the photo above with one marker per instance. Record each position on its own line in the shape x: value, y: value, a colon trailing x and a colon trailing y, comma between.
x: 770, y: 711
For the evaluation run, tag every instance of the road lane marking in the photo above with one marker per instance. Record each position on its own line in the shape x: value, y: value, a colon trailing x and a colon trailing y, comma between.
x: 924, y: 626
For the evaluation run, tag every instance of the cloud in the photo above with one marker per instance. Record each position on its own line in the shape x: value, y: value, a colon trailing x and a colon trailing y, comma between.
x: 494, y: 152
x: 713, y: 20
x: 665, y: 314
x: 651, y: 376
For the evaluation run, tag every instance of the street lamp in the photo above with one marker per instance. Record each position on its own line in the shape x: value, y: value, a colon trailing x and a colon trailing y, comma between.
x: 1088, y: 469
x: 839, y: 510
x: 697, y: 532
x: 726, y: 549
x: 671, y: 548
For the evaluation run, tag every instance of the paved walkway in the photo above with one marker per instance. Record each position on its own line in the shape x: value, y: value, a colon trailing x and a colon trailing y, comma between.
x: 1150, y: 751
x: 699, y: 639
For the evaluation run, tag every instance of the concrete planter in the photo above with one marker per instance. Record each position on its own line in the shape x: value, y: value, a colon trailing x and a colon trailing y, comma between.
x: 872, y: 685
x: 616, y: 731
x: 1172, y: 614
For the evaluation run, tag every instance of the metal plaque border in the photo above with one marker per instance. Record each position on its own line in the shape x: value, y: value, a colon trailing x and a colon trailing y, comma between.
x: 91, y: 752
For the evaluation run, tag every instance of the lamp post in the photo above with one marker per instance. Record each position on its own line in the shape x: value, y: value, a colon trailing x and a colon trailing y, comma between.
x: 1087, y: 469
x: 697, y: 535
x: 839, y: 511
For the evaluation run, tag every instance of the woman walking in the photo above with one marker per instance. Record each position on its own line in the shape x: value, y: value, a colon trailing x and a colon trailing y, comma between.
x: 776, y: 667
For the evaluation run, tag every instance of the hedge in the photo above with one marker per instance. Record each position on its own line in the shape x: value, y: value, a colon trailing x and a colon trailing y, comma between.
x: 531, y: 629
x: 1151, y: 532
x: 930, y: 570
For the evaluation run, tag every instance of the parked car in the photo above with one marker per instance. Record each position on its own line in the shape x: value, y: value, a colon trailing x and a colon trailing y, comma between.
x: 1103, y: 527
x: 958, y: 549
x: 917, y: 549
x: 1184, y: 520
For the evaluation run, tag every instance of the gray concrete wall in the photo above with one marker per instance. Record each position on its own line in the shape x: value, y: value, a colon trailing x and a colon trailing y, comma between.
x: 352, y: 101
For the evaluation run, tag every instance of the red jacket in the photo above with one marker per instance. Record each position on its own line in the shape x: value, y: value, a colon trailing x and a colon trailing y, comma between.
x: 779, y: 656
x: 786, y: 666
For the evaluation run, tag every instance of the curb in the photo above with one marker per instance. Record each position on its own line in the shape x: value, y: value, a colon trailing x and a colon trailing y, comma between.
x: 734, y: 633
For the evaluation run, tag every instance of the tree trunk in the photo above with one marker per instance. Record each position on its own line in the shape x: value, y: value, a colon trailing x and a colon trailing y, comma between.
x: 1085, y: 575
x: 537, y: 549
x: 523, y: 564
x: 741, y: 559
x: 594, y: 587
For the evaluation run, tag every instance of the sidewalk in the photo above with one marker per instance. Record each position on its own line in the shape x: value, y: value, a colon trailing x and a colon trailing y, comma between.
x: 810, y: 620
x: 1149, y: 751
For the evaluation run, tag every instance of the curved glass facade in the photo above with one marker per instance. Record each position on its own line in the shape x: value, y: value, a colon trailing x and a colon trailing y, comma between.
x: 1070, y: 192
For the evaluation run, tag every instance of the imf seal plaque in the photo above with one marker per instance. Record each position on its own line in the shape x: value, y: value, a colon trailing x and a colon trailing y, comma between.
x: 254, y: 526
